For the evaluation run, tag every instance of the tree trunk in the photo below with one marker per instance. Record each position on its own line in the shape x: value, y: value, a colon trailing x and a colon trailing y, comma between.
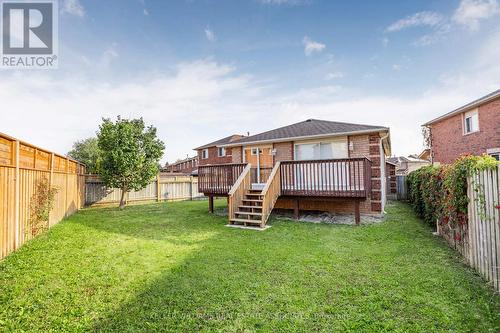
x: 122, y: 200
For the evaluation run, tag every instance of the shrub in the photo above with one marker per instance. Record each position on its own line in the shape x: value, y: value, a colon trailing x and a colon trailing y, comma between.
x: 41, y: 203
x: 440, y: 193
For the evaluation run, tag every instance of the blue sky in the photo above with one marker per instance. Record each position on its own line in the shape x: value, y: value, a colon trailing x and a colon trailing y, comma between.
x: 199, y: 70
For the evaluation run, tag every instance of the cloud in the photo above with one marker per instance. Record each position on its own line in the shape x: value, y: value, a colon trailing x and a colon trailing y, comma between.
x: 430, y: 19
x: 145, y: 12
x: 188, y: 101
x: 385, y: 41
x: 470, y: 12
x: 311, y: 46
x: 209, y: 33
x: 396, y: 67
x: 334, y: 75
x: 73, y: 7
x: 109, y: 55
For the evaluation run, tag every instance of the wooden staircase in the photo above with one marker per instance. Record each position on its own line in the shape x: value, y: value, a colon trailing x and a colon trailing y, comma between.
x: 249, y: 213
x: 249, y: 207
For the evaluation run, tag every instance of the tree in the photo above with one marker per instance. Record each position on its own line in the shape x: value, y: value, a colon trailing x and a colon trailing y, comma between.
x: 130, y: 154
x: 87, y: 152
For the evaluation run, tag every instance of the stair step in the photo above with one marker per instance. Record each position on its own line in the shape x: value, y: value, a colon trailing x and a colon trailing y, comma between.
x: 248, y: 213
x: 252, y: 200
x: 243, y: 206
x: 246, y: 221
x: 253, y: 194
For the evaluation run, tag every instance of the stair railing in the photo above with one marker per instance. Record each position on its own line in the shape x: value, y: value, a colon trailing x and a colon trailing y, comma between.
x: 271, y: 193
x: 238, y: 191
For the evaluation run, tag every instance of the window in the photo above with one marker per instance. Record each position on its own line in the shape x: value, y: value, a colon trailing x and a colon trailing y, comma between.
x: 322, y: 150
x: 471, y: 122
x: 204, y: 154
x: 221, y: 151
x: 494, y: 152
x: 254, y: 151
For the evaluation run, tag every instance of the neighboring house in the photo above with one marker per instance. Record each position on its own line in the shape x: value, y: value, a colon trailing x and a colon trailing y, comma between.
x: 312, y: 165
x: 215, y: 153
x: 405, y: 165
x: 471, y: 129
x: 187, y: 165
x: 425, y: 155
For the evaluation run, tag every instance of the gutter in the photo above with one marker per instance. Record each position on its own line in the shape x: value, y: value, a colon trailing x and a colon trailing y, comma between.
x: 384, y: 174
x: 296, y: 138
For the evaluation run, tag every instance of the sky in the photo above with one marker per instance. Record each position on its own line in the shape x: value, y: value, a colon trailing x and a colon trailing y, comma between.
x: 200, y: 70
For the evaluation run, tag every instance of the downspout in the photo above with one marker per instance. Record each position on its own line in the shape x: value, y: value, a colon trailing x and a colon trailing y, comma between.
x: 383, y: 172
x: 258, y: 165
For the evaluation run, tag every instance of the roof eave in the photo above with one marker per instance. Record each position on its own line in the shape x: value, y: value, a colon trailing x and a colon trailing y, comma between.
x: 464, y: 108
x: 236, y: 143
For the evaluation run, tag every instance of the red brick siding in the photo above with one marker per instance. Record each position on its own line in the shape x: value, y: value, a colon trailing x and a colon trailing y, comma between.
x: 284, y: 151
x: 448, y: 141
x: 390, y: 171
x: 213, y: 157
x: 237, y: 153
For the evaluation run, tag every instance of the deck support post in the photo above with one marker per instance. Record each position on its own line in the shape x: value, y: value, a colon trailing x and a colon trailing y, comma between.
x: 357, y: 216
x: 210, y: 203
x: 296, y: 209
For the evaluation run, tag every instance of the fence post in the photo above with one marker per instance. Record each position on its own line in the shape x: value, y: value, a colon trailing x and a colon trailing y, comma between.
x: 16, y: 196
x: 158, y: 188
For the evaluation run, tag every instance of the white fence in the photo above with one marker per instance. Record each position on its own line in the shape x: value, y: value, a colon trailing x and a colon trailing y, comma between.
x: 164, y: 188
x: 483, y: 244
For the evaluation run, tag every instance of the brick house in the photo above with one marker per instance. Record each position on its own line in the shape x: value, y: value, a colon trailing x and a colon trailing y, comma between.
x: 187, y: 165
x: 215, y: 153
x: 471, y: 129
x: 313, y: 165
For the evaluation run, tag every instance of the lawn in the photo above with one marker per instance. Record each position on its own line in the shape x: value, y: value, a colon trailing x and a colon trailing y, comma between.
x: 173, y: 267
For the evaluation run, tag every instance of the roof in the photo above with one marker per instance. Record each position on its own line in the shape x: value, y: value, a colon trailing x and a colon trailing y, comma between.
x: 398, y: 159
x: 308, y: 128
x: 466, y: 107
x: 223, y: 141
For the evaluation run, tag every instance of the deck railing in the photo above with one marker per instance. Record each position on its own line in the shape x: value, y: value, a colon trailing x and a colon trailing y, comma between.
x: 238, y: 191
x: 218, y: 179
x: 350, y: 177
x: 271, y: 192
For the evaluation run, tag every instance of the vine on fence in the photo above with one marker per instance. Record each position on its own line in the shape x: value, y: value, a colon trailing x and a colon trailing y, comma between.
x: 41, y: 204
x: 440, y: 193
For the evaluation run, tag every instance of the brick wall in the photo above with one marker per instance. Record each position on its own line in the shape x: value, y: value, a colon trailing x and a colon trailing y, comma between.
x: 374, y: 156
x: 284, y: 151
x: 237, y: 153
x: 390, y: 171
x: 213, y: 157
x: 449, y: 142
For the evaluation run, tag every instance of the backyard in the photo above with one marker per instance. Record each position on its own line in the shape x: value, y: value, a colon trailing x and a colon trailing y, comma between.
x: 174, y: 267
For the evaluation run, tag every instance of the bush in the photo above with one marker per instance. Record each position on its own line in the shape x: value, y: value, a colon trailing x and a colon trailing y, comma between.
x: 440, y: 193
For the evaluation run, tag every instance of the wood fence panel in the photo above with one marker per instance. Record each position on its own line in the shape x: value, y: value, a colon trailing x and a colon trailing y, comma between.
x: 171, y: 188
x: 483, y: 243
x: 22, y: 166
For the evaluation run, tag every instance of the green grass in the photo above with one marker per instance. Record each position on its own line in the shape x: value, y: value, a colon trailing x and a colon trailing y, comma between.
x: 173, y: 267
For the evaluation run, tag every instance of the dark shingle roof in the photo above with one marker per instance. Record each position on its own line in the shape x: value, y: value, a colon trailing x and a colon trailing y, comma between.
x: 222, y: 141
x: 466, y: 107
x: 310, y: 127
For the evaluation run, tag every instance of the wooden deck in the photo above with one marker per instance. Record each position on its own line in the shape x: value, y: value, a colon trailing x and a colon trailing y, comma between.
x: 336, y: 178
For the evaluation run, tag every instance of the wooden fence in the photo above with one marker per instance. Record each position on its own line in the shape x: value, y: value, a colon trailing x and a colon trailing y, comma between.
x: 402, y: 188
x: 482, y: 247
x: 164, y: 188
x: 22, y: 167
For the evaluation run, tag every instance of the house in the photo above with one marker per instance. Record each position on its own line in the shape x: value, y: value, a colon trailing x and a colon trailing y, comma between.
x: 187, y: 165
x: 405, y: 165
x: 215, y: 152
x: 471, y: 129
x: 424, y: 155
x: 311, y: 165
